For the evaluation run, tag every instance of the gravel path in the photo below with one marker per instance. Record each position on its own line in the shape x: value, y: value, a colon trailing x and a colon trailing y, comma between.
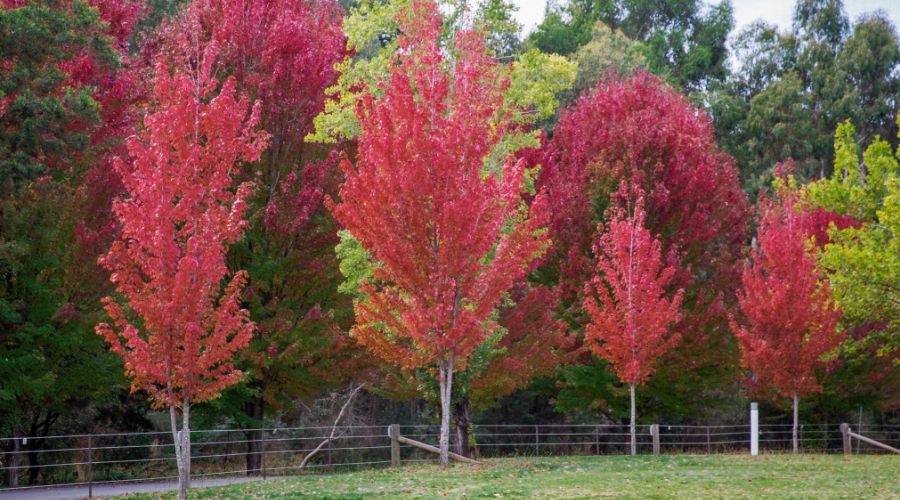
x: 113, y: 489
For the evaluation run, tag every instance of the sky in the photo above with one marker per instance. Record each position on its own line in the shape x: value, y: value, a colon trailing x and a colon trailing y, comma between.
x: 745, y: 11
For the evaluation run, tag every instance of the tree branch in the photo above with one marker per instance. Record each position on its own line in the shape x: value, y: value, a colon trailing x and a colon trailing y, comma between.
x: 331, y: 437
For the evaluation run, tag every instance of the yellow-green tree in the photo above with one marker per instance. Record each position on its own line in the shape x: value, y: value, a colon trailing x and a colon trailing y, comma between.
x: 863, y: 262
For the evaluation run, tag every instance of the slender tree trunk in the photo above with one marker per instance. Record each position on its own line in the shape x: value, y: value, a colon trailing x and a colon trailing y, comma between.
x: 176, y: 441
x: 461, y: 421
x: 632, y: 427
x: 184, y: 479
x: 445, y: 371
x: 255, y: 410
x: 794, y: 443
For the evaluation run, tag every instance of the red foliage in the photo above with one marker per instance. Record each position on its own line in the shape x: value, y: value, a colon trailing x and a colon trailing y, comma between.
x: 788, y: 317
x: 301, y: 195
x: 630, y: 322
x: 535, y: 345
x: 281, y: 52
x: 639, y: 130
x: 122, y: 16
x: 420, y: 204
x: 119, y: 93
x: 817, y: 222
x: 180, y: 330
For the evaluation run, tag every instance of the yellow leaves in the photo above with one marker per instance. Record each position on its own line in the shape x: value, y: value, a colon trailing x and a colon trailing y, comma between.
x: 536, y: 80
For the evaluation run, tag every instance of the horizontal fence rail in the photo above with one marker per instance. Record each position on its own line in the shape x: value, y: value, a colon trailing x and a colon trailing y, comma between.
x: 92, y: 459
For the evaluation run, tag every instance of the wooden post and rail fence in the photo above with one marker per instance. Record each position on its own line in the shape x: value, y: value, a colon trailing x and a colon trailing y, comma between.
x: 397, y: 440
x: 847, y: 434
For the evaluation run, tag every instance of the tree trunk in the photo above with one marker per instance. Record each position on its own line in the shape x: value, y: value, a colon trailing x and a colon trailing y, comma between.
x: 632, y: 427
x: 184, y: 479
x: 461, y: 414
x: 176, y: 441
x: 12, y: 473
x: 255, y: 410
x: 794, y: 443
x: 445, y: 372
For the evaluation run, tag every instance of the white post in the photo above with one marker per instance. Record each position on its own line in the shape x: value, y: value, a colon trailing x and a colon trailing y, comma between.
x: 754, y: 429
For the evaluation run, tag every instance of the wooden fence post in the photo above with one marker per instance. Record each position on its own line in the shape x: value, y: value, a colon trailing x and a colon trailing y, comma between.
x: 845, y: 437
x: 90, y: 464
x: 394, y: 432
x: 708, y: 444
x: 654, y: 434
x: 537, y: 446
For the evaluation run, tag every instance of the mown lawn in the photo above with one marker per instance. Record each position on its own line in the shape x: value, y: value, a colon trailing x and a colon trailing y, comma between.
x: 680, y: 476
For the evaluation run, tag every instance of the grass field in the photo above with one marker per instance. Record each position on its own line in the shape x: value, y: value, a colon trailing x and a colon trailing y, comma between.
x: 679, y: 476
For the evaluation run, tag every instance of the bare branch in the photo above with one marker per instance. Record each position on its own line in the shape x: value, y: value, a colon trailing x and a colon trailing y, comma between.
x: 337, y: 420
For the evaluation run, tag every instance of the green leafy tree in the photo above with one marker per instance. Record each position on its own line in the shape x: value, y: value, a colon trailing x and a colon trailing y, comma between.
x: 683, y: 40
x: 870, y: 58
x: 564, y: 28
x: 51, y: 363
x: 53, y: 57
x: 790, y: 90
x: 863, y: 263
x: 608, y: 52
x: 780, y: 124
x: 496, y: 18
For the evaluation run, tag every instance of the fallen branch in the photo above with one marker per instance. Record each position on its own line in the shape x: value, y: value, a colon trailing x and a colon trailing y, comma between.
x: 331, y: 437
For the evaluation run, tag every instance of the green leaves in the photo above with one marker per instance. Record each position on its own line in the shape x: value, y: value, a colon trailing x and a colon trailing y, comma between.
x: 858, y: 186
x: 356, y: 264
x: 863, y: 263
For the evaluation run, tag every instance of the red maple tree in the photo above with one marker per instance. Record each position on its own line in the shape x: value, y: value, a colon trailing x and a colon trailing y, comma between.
x: 788, y: 317
x: 180, y: 328
x: 640, y: 130
x: 451, y: 238
x: 282, y: 53
x: 631, y: 318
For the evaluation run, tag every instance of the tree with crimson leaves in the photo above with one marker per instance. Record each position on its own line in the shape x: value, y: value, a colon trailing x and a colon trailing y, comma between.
x: 282, y: 53
x: 631, y: 318
x: 640, y: 130
x: 179, y: 329
x: 788, y: 318
x: 451, y: 237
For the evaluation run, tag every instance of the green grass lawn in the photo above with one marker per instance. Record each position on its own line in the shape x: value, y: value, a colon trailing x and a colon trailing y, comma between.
x: 682, y: 476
